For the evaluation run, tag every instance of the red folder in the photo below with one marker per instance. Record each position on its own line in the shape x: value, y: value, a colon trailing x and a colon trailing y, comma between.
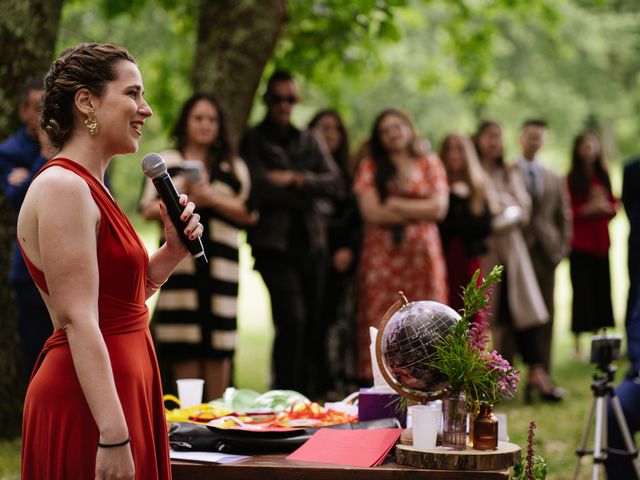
x: 360, y: 448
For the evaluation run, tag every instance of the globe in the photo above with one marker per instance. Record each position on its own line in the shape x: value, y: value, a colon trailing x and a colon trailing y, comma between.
x: 408, y: 336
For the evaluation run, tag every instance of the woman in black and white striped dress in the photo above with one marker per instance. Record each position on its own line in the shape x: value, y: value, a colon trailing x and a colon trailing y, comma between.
x: 194, y: 324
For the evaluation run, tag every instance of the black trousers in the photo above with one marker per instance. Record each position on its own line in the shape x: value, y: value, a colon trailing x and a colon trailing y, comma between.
x: 591, y: 280
x: 34, y: 323
x: 295, y: 285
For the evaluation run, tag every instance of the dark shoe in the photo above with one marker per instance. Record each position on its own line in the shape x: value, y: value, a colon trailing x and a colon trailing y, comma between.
x: 553, y: 395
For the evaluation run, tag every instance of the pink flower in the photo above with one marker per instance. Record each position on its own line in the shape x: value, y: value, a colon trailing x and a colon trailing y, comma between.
x: 505, y: 376
x: 478, y: 336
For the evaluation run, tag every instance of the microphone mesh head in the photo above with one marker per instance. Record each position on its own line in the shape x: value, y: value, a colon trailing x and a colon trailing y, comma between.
x: 153, y: 165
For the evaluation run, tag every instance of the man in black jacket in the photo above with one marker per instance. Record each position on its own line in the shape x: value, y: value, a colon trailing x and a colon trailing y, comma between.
x: 292, y: 173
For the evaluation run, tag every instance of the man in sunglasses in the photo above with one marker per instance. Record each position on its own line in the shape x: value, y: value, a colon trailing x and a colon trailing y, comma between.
x: 292, y: 173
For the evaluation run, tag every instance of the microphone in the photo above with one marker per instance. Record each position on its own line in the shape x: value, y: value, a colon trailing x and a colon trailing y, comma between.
x: 154, y: 167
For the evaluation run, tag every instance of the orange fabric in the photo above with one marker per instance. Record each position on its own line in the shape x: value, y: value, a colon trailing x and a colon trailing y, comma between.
x: 59, y: 434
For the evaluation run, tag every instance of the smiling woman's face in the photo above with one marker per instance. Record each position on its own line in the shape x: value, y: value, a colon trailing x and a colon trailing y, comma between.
x: 121, y: 110
x: 395, y: 133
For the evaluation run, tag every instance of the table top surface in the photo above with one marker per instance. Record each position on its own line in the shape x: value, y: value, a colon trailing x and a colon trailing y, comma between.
x: 272, y: 467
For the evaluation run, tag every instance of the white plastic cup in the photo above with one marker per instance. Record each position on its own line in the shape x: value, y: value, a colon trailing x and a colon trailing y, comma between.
x: 503, y: 436
x: 190, y: 391
x: 426, y: 421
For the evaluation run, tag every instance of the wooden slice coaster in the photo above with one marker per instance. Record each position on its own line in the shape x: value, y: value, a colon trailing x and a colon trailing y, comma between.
x: 507, y: 455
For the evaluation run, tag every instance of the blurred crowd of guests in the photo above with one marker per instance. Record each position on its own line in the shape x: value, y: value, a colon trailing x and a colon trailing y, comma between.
x: 336, y: 234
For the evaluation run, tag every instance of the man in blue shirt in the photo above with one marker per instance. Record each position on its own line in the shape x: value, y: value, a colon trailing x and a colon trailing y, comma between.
x: 20, y: 158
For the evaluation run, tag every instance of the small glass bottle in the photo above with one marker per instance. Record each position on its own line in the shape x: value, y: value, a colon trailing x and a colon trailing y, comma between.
x: 485, y: 429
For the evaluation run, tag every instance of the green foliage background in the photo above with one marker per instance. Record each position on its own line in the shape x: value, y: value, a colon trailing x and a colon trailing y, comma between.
x: 449, y: 63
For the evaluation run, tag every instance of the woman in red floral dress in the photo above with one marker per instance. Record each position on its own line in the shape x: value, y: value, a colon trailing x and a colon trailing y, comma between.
x: 402, y: 193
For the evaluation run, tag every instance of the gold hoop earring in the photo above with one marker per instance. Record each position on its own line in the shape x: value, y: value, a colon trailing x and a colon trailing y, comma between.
x: 92, y: 123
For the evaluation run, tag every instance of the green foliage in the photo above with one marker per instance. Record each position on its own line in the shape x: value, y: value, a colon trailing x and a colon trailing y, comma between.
x: 325, y: 34
x: 474, y: 296
x: 461, y: 362
x: 539, y: 469
x: 532, y: 467
x: 10, y: 459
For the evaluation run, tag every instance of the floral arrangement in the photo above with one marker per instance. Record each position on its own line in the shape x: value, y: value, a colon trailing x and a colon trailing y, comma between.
x: 462, y: 356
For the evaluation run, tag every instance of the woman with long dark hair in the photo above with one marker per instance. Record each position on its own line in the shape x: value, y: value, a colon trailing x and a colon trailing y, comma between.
x: 593, y: 206
x: 344, y: 234
x: 402, y: 193
x: 195, y: 319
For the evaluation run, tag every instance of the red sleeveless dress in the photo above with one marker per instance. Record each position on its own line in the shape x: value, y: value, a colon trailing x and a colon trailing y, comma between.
x: 59, y: 434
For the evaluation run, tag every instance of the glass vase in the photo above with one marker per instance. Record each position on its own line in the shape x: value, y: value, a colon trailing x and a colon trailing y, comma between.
x: 485, y: 429
x: 454, y: 421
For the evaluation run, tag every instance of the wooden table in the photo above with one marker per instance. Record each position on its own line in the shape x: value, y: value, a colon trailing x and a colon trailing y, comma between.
x: 275, y: 467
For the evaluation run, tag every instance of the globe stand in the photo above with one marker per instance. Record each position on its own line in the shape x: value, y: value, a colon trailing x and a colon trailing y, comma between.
x: 412, y: 395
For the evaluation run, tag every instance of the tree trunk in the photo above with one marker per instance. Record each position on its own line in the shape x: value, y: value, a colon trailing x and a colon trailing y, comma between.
x: 28, y: 31
x: 236, y: 38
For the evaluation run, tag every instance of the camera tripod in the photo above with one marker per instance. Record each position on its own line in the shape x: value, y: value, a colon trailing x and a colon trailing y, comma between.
x: 603, y: 391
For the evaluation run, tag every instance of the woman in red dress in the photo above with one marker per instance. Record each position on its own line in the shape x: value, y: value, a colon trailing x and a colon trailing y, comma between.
x: 593, y: 206
x: 93, y: 407
x: 402, y: 192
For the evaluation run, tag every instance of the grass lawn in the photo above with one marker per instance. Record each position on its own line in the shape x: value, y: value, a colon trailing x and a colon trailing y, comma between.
x: 560, y: 426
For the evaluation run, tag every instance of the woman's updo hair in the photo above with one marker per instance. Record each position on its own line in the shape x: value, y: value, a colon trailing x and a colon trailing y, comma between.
x: 87, y: 65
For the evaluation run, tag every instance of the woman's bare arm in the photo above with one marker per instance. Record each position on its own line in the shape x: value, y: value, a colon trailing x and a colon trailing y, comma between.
x: 376, y: 212
x: 434, y: 208
x: 67, y: 222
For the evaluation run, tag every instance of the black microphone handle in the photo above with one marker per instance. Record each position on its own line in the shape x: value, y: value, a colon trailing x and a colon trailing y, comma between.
x: 169, y: 196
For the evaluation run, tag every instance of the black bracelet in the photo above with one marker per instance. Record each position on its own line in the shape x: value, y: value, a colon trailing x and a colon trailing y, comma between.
x: 113, y: 445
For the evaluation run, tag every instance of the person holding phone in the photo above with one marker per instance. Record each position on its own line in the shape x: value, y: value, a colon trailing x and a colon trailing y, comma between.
x: 195, y: 318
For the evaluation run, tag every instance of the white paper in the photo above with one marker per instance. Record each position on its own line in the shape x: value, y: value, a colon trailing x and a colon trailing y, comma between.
x: 380, y: 385
x: 208, y: 457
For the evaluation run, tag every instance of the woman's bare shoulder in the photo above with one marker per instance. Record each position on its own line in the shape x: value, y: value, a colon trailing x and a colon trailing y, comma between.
x: 59, y: 182
x: 60, y: 193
